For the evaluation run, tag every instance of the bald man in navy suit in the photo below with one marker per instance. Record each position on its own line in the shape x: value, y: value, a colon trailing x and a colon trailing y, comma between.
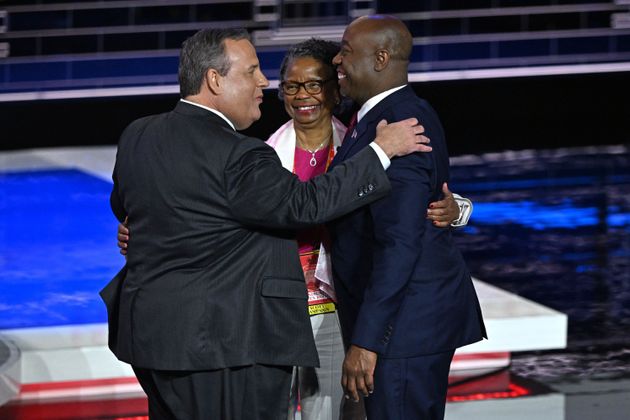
x: 406, y: 299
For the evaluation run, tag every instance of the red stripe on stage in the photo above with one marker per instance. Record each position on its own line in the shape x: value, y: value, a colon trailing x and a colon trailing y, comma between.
x: 481, y: 356
x: 48, y: 386
x: 133, y: 408
x: 513, y: 391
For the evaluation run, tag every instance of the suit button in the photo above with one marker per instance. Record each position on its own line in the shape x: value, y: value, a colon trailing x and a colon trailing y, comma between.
x: 361, y: 193
x: 371, y: 187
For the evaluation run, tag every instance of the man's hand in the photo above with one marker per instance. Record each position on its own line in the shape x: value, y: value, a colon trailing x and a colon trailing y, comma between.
x: 401, y: 138
x: 358, y: 372
x: 123, y: 237
x: 445, y: 211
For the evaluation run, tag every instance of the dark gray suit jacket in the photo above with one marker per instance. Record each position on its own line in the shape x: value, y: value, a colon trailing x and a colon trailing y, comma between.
x: 211, y: 279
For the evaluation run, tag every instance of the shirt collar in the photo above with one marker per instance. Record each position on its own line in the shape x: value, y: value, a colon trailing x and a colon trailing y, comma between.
x: 374, y: 100
x: 211, y: 110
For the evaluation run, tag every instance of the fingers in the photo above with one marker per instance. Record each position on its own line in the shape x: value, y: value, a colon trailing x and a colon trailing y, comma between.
x: 423, y: 144
x: 439, y: 214
x: 122, y: 244
x: 355, y: 385
x: 420, y: 138
x: 402, y: 138
x: 445, y: 190
x: 438, y: 211
x: 123, y: 240
x: 350, y: 387
x: 368, y: 378
x: 361, y: 385
x: 123, y: 229
x: 407, y: 122
x: 123, y: 237
x: 411, y: 122
x: 445, y: 211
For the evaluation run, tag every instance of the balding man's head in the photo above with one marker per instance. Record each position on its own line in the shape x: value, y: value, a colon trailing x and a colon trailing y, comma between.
x: 386, y: 32
x: 374, y: 56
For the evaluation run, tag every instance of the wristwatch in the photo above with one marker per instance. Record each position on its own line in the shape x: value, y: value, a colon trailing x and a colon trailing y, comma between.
x: 465, y: 210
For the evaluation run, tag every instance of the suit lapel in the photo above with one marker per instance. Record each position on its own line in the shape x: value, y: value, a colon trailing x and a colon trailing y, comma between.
x: 351, y: 141
x: 366, y: 128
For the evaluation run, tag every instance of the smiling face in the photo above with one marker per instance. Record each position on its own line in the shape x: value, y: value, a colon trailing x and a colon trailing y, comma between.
x: 242, y: 85
x: 355, y: 63
x: 308, y: 109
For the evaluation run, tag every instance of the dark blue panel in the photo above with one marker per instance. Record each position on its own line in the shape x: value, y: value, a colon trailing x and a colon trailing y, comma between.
x: 421, y: 53
x: 20, y: 47
x: 525, y: 48
x: 125, y: 67
x: 69, y: 44
x: 55, y: 19
x: 623, y: 43
x: 583, y: 45
x: 58, y: 248
x: 38, y: 71
x: 464, y: 51
x: 162, y: 14
x: 270, y: 62
x: 132, y: 42
x: 100, y: 17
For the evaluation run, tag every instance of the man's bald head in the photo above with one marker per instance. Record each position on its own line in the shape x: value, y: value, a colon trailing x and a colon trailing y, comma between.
x: 385, y: 32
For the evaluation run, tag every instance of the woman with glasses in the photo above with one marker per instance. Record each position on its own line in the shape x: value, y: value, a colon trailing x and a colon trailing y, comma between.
x: 306, y: 145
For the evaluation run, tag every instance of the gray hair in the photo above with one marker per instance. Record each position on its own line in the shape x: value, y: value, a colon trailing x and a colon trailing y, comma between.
x: 321, y: 50
x: 203, y: 51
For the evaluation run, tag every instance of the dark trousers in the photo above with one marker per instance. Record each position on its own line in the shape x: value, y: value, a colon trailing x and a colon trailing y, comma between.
x: 410, y: 389
x: 257, y: 392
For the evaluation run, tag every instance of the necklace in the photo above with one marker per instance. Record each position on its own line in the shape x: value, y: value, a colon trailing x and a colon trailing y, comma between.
x: 313, y: 161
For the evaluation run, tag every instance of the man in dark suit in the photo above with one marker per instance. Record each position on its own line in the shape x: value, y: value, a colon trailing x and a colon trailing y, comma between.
x: 406, y: 300
x: 210, y: 309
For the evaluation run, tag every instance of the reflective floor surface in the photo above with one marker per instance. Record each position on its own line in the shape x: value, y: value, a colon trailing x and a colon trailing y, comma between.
x: 554, y: 226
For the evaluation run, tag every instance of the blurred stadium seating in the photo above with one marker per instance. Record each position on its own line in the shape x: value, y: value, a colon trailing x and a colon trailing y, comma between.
x: 63, y: 45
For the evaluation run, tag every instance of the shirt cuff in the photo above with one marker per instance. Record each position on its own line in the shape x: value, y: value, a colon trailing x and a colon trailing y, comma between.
x: 382, y: 156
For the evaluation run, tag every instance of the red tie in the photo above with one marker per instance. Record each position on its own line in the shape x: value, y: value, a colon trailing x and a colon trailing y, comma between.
x: 351, y: 126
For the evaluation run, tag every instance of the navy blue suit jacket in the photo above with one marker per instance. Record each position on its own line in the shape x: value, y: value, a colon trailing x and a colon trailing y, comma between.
x: 403, y: 288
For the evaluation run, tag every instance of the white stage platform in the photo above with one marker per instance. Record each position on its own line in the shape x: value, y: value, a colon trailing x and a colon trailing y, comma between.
x: 80, y: 353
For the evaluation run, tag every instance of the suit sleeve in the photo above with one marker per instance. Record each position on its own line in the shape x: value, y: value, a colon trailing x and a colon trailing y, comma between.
x: 262, y: 193
x: 399, y: 223
x: 115, y: 201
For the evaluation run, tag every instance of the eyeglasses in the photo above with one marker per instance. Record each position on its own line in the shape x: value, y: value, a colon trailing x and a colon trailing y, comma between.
x: 310, y: 86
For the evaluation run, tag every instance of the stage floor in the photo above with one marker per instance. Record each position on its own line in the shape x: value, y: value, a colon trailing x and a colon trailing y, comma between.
x: 549, y: 226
